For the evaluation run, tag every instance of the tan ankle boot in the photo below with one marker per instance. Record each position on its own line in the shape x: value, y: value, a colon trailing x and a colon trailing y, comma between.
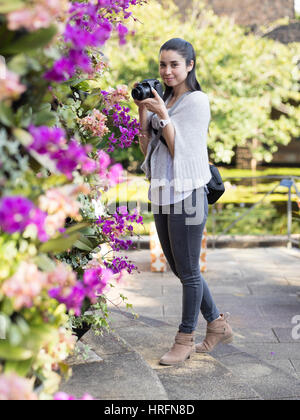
x: 182, y: 348
x: 218, y: 331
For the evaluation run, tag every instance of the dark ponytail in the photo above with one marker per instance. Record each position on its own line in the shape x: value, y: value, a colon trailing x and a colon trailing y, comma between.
x: 186, y: 50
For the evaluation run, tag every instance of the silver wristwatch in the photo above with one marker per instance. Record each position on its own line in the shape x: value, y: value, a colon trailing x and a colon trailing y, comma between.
x: 163, y: 123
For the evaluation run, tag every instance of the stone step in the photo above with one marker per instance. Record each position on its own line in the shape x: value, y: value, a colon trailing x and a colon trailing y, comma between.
x: 201, y: 378
x: 113, y: 370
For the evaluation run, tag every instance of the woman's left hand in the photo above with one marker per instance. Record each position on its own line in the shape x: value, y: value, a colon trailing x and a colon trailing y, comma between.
x: 155, y: 104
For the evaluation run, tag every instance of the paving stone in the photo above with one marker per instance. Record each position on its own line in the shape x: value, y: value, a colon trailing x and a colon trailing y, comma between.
x: 284, y: 335
x: 254, y: 335
x: 296, y: 364
x: 271, y: 351
x: 268, y: 381
x: 201, y: 378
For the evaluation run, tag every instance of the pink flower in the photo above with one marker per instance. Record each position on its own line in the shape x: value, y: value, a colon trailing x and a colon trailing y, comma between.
x: 95, y: 123
x: 25, y: 285
x: 115, y: 174
x: 16, y: 388
x: 40, y: 14
x: 62, y: 276
x: 114, y: 96
x: 104, y: 161
x: 10, y: 86
x: 61, y: 203
x: 63, y: 396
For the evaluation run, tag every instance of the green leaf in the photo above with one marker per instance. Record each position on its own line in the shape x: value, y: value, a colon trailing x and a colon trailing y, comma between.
x: 60, y: 244
x: 14, y: 335
x: 31, y: 41
x: 7, y: 6
x: 84, y: 244
x: 77, y: 227
x: 45, y: 263
x: 24, y: 116
x: 21, y: 368
x: 54, y: 181
x: 6, y: 115
x: 23, y: 136
x: 9, y: 352
x: 44, y: 117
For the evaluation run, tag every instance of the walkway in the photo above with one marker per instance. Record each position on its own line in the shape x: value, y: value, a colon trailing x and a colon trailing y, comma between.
x: 258, y: 286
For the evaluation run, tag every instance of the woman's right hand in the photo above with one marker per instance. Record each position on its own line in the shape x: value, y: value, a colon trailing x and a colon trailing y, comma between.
x: 138, y: 103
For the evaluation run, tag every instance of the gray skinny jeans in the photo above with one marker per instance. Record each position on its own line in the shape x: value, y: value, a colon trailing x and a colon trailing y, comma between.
x: 180, y: 227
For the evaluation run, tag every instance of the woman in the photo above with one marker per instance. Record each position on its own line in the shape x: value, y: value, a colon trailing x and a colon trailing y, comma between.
x: 173, y: 140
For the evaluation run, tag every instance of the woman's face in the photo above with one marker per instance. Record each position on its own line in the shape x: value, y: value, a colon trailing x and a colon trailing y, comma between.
x: 172, y: 68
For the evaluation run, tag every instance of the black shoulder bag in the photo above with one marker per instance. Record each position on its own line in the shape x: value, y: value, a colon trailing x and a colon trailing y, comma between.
x: 215, y: 186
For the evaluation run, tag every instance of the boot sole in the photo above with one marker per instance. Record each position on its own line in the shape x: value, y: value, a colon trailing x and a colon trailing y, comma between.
x: 174, y: 364
x: 226, y: 341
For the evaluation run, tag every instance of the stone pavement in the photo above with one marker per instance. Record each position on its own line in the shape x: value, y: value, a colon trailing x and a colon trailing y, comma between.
x: 258, y: 286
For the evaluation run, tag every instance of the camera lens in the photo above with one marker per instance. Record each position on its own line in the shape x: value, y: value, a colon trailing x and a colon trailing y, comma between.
x: 137, y: 93
x: 141, y: 92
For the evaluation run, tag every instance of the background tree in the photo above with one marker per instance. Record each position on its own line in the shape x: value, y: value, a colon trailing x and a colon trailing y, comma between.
x: 252, y: 82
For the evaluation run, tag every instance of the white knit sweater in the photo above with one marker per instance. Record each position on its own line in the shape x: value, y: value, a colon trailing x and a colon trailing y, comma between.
x: 190, y: 119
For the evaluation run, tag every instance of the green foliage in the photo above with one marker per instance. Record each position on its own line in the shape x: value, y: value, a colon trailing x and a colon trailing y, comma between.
x: 251, y: 81
x: 29, y: 42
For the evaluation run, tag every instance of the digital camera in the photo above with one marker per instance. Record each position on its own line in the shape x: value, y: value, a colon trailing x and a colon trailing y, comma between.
x: 143, y: 89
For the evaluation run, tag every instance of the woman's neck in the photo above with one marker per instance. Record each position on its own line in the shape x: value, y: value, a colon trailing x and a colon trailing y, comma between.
x: 178, y: 91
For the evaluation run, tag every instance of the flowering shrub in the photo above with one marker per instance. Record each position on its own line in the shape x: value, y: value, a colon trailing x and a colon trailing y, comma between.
x: 13, y: 387
x: 55, y: 141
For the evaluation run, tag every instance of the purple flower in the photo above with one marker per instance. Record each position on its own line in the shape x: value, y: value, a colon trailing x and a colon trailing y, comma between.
x: 128, y: 128
x: 73, y: 300
x: 62, y: 70
x: 46, y: 139
x: 110, y: 227
x: 122, y: 31
x: 80, y: 59
x: 118, y: 264
x: 95, y: 281
x: 82, y: 37
x: 16, y: 213
x: 67, y: 156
